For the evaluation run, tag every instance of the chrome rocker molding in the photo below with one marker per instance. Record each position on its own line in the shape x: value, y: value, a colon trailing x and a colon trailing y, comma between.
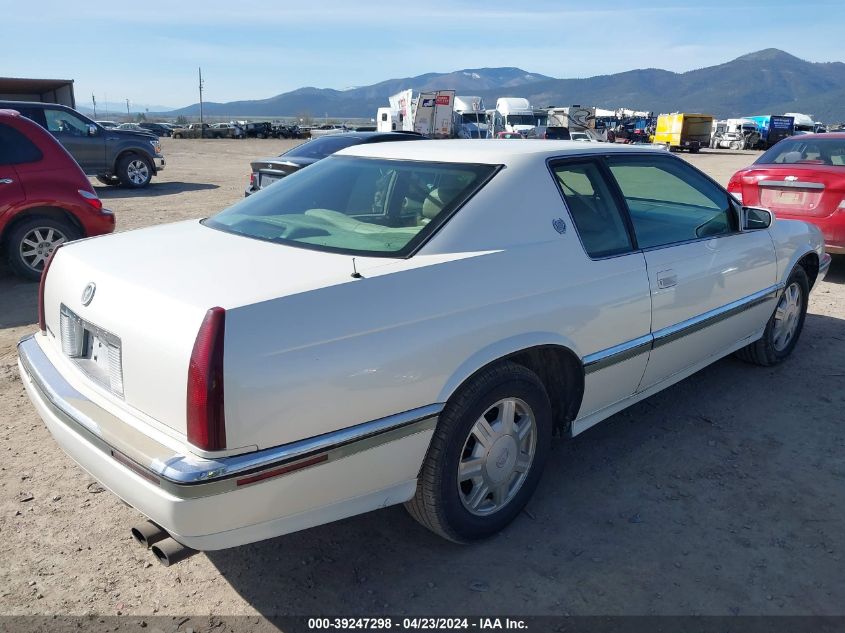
x: 624, y: 351
x: 191, y: 476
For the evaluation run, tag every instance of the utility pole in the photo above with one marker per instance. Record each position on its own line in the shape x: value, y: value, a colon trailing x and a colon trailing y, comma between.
x: 94, y: 101
x: 202, y: 131
x: 127, y: 108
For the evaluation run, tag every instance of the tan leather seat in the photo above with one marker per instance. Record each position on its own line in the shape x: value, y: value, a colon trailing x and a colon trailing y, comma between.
x: 444, y: 195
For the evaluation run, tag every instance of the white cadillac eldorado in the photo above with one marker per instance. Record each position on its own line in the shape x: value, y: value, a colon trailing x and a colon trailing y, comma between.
x: 400, y: 323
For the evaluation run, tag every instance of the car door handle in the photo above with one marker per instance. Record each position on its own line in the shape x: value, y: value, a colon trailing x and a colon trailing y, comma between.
x: 6, y: 181
x: 667, y: 279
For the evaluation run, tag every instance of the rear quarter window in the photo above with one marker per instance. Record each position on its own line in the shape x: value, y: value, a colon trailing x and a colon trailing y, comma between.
x: 16, y: 148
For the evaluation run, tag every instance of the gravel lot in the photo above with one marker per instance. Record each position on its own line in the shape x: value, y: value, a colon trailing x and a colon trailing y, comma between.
x: 723, y: 495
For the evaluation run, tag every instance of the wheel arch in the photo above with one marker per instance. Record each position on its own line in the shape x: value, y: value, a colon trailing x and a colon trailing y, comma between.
x: 810, y: 263
x: 24, y: 215
x: 554, y: 360
x: 132, y: 151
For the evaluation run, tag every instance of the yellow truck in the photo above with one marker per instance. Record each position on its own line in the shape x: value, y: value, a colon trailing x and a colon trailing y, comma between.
x: 682, y: 130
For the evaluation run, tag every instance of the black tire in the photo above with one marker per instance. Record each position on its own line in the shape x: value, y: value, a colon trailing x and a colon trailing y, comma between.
x: 438, y: 503
x: 768, y: 350
x: 21, y: 264
x: 111, y: 181
x: 130, y: 171
x: 177, y: 136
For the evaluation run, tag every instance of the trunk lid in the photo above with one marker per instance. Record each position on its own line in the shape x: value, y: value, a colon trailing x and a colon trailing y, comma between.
x: 795, y: 191
x: 142, y: 295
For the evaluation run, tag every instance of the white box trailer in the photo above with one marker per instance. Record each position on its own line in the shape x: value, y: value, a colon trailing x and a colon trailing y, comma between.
x: 387, y: 120
x: 433, y: 114
x: 403, y: 106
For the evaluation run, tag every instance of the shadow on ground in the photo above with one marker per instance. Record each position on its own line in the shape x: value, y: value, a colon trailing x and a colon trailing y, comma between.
x: 153, y: 189
x: 721, y: 495
x: 18, y: 300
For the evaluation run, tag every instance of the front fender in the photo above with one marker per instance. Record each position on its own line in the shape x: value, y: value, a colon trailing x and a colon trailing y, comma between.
x: 793, y: 240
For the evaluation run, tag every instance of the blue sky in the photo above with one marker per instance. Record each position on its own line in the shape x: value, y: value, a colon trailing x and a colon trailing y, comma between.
x: 149, y: 52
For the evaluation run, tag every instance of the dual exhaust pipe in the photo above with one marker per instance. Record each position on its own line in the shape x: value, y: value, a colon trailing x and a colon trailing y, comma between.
x: 167, y: 550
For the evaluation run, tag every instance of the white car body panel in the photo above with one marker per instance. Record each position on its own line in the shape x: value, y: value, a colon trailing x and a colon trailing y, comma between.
x: 315, y: 358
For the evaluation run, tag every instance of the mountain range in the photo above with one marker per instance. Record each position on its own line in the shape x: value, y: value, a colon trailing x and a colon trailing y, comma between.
x: 770, y: 81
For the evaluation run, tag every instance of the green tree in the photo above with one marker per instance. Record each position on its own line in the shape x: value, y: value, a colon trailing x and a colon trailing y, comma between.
x: 181, y: 120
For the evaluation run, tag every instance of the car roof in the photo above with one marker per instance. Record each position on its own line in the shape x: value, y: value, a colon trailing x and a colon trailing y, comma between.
x: 804, y: 137
x: 5, y: 112
x: 39, y: 104
x: 371, y: 135
x: 487, y: 151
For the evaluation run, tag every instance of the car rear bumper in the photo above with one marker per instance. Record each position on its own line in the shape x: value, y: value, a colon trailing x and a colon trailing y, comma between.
x: 211, y: 504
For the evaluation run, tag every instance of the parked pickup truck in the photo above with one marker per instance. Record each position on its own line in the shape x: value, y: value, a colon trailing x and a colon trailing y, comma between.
x: 192, y: 130
x: 115, y: 157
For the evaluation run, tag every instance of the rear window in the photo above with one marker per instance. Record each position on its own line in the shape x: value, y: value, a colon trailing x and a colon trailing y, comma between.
x: 15, y: 148
x: 794, y: 151
x: 322, y: 147
x: 358, y: 206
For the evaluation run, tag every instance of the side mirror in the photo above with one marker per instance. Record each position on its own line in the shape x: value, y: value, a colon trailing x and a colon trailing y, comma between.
x: 92, y: 130
x: 754, y: 218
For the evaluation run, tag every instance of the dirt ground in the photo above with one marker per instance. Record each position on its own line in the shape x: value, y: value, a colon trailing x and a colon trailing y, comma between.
x: 723, y: 495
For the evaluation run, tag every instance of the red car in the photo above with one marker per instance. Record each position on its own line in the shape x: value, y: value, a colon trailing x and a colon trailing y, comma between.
x: 45, y: 198
x: 800, y: 178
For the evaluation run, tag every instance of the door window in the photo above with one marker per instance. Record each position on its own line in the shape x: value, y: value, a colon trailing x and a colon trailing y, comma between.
x: 598, y: 218
x: 15, y: 148
x: 63, y: 122
x: 671, y: 202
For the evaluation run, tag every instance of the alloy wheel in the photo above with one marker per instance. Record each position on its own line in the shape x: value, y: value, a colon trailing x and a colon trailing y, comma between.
x: 787, y: 316
x: 137, y: 171
x: 497, y: 456
x: 37, y: 245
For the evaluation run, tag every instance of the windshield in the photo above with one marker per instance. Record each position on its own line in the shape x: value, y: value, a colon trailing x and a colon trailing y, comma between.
x: 521, y: 119
x: 473, y: 117
x: 373, y: 207
x: 323, y: 146
x: 828, y: 151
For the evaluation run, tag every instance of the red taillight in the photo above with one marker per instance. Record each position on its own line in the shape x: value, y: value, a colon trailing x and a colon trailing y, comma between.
x: 735, y: 184
x: 91, y: 198
x: 735, y: 187
x: 206, y: 422
x: 253, y: 180
x: 42, y: 319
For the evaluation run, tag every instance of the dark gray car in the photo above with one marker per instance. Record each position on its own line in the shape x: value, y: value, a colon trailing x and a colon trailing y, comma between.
x: 266, y: 171
x: 123, y: 157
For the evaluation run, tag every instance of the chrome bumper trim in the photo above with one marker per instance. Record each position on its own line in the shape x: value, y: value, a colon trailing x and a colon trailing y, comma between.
x: 159, y: 163
x: 188, y: 475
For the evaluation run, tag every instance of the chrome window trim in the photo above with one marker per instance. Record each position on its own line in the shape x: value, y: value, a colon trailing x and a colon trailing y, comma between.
x: 189, y: 475
x: 629, y: 349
